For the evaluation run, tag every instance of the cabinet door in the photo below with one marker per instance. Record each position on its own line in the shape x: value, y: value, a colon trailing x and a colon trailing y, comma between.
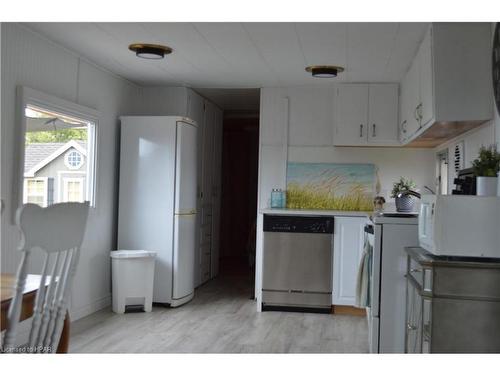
x: 347, y: 251
x: 425, y: 66
x: 383, y: 114
x: 208, y: 153
x: 196, y: 112
x: 351, y: 115
x: 404, y: 108
x: 411, y: 84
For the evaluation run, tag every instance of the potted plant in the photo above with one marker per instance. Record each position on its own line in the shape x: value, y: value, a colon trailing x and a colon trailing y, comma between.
x: 402, y: 192
x: 486, y: 168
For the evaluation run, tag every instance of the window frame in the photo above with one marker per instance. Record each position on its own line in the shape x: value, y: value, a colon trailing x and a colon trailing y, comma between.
x: 27, y: 96
x: 45, y: 190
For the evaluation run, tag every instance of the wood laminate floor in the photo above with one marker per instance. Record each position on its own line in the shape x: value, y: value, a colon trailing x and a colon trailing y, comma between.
x: 220, y: 319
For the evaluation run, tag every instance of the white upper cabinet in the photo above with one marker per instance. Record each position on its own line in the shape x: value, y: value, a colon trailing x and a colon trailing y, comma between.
x: 351, y: 115
x: 448, y: 85
x: 366, y: 115
x: 383, y: 114
x: 410, y: 101
x: 425, y: 80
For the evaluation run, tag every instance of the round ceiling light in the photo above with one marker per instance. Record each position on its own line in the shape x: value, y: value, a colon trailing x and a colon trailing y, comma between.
x: 324, y: 71
x: 150, y: 51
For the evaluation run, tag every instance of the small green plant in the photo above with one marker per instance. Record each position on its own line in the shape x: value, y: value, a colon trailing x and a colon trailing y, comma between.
x: 488, y: 162
x: 402, y: 185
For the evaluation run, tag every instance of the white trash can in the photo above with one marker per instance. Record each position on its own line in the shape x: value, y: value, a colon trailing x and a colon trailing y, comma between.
x: 132, y: 279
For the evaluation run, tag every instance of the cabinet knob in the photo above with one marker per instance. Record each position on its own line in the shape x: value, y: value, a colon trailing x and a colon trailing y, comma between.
x: 360, y: 130
x: 374, y: 131
x: 403, y: 126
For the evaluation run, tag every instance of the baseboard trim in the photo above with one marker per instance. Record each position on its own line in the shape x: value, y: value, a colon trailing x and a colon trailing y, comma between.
x: 90, y: 308
x: 348, y: 310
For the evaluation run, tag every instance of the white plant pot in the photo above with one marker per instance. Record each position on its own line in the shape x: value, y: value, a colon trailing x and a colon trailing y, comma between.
x: 486, y: 186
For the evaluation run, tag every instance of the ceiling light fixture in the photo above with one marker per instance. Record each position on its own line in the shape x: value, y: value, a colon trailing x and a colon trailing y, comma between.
x: 324, y: 71
x: 150, y: 51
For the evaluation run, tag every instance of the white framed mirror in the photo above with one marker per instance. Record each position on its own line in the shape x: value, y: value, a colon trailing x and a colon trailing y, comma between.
x: 57, y: 150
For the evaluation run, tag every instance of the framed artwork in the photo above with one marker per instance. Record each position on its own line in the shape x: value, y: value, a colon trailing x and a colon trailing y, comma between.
x: 330, y: 186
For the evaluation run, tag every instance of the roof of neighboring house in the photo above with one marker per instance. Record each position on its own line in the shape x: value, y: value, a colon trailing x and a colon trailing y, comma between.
x: 37, y: 152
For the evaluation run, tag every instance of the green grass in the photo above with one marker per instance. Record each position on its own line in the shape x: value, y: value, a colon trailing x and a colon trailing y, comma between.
x: 323, y: 197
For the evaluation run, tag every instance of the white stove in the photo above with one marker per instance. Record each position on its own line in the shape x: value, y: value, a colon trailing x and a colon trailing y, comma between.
x: 389, y: 235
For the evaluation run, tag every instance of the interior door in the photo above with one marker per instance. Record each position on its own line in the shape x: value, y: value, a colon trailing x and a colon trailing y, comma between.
x: 183, y: 259
x: 352, y: 115
x: 383, y: 114
x: 185, y: 167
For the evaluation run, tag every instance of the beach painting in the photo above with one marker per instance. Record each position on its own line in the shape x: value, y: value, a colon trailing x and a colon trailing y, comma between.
x: 330, y: 186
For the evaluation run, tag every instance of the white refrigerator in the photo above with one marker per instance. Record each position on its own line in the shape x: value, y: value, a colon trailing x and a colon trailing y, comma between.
x: 157, y: 199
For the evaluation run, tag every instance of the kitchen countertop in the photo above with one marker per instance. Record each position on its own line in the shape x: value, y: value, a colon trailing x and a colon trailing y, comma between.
x: 425, y: 258
x: 308, y: 212
x: 366, y: 214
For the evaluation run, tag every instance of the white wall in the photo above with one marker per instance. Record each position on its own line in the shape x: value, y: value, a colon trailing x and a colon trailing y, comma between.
x: 31, y: 60
x: 304, y: 132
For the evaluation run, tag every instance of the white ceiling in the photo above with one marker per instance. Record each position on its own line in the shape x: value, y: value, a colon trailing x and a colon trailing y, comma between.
x: 244, y: 55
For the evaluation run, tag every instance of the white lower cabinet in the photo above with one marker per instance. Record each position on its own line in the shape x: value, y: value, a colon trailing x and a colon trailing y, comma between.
x: 348, y: 241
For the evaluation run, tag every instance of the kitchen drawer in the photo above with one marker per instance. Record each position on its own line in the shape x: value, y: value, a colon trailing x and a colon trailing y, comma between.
x: 205, y: 235
x: 206, y: 215
x: 465, y: 282
x: 205, y: 251
x: 422, y: 275
x: 205, y: 270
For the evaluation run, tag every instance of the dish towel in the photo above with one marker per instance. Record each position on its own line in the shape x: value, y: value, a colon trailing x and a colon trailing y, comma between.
x: 363, y: 278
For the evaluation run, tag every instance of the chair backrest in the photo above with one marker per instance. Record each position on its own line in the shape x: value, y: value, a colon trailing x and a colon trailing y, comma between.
x: 58, y: 232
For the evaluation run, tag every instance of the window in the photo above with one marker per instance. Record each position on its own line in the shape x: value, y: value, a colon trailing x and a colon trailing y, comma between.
x: 73, y: 189
x: 59, y: 147
x: 442, y: 172
x: 36, y: 191
x: 73, y: 160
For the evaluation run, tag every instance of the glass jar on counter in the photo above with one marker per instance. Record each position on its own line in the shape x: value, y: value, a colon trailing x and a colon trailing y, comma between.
x: 278, y: 198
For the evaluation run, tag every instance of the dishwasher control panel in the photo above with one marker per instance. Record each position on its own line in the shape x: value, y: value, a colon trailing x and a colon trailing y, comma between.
x: 298, y: 224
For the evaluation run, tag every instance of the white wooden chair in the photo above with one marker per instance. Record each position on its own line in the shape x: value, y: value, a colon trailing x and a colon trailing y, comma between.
x: 58, y: 232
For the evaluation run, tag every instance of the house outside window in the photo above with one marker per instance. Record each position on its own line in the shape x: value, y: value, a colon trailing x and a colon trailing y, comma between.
x: 59, y: 159
x: 73, y: 189
x: 36, y: 191
x: 73, y: 159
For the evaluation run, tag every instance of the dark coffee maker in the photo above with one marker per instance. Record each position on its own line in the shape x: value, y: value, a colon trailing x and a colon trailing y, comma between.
x: 465, y: 182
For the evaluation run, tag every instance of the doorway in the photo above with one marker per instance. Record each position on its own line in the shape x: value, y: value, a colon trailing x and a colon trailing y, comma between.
x: 240, y: 153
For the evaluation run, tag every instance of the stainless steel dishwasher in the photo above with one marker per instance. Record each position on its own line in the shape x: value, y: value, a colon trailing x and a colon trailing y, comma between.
x: 297, y: 269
